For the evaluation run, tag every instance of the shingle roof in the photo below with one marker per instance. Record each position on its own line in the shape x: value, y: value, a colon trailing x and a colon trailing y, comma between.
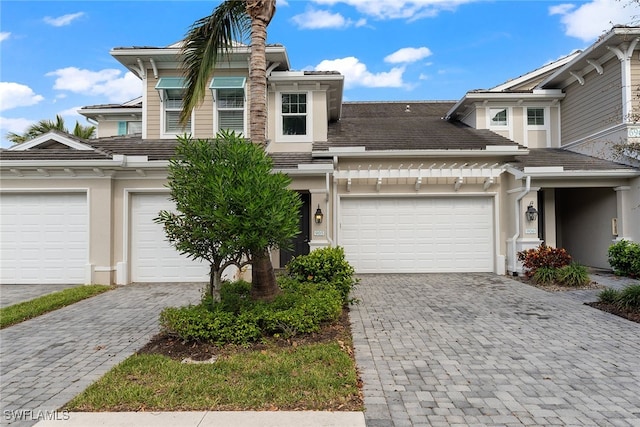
x: 154, y: 149
x: 550, y: 157
x: 388, y: 126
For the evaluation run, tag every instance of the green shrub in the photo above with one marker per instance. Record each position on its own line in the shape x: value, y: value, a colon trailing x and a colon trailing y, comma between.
x: 238, y: 319
x: 609, y: 296
x: 543, y: 256
x: 327, y: 266
x: 573, y: 275
x: 624, y: 258
x: 629, y: 298
x: 545, y: 275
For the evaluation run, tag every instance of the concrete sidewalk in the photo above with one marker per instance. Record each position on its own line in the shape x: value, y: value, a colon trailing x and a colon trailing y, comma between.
x: 207, y: 419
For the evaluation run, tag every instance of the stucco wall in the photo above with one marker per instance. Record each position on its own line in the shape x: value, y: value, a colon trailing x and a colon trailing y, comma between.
x: 584, y: 223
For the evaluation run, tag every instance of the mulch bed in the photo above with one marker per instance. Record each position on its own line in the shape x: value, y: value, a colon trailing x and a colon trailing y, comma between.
x: 177, y: 349
x: 633, y: 316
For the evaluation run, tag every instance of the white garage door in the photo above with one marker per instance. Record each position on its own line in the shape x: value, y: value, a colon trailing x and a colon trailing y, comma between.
x: 444, y: 234
x: 153, y: 259
x: 43, y: 238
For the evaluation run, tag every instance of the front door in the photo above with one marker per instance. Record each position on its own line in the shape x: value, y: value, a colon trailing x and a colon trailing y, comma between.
x: 300, y: 243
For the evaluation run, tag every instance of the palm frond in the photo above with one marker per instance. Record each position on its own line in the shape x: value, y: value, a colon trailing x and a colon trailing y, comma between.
x: 206, y: 42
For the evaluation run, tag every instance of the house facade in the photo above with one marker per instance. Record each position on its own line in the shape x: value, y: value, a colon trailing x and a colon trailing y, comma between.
x: 439, y: 186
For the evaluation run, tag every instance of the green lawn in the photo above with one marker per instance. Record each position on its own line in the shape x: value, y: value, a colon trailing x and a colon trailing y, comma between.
x: 320, y: 376
x: 29, y: 309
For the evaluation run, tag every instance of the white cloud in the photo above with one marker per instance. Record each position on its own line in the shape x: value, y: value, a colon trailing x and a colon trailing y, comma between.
x: 590, y: 20
x: 107, y: 82
x: 561, y: 9
x: 4, y: 35
x: 356, y: 73
x: 408, y: 54
x: 14, y: 125
x: 14, y: 95
x: 315, y: 19
x: 399, y: 9
x: 63, y: 20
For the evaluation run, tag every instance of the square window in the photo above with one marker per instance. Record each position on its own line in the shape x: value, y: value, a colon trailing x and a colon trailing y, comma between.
x: 535, y: 116
x: 296, y: 125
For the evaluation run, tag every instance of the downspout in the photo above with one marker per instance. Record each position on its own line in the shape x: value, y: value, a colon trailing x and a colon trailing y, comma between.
x: 519, y: 198
x: 326, y: 208
x: 335, y: 202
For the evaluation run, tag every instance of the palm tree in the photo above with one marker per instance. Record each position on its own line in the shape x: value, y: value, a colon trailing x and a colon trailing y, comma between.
x: 44, y: 126
x: 207, y: 41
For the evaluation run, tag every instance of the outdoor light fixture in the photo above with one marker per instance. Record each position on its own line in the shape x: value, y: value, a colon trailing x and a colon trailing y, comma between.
x: 532, y: 213
x: 318, y: 215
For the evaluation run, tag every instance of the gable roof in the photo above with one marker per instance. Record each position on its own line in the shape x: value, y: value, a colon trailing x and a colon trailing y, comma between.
x: 385, y: 126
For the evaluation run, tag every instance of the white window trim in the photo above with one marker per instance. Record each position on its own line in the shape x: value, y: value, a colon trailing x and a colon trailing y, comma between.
x: 544, y: 126
x: 294, y: 138
x: 216, y: 124
x: 172, y: 135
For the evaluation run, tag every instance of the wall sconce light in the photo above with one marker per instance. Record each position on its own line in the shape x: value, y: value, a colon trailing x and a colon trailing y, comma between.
x: 531, y: 213
x: 318, y: 215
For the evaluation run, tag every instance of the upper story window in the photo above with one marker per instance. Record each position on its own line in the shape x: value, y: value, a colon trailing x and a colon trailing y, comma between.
x: 129, y: 128
x: 498, y: 117
x: 535, y: 116
x: 294, y: 113
x: 229, y: 96
x: 171, y: 90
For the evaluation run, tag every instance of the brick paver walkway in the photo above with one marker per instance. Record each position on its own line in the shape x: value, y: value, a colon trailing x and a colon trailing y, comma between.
x: 481, y: 349
x: 44, y: 362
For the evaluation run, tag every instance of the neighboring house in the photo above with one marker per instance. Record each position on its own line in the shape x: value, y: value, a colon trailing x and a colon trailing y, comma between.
x: 403, y: 187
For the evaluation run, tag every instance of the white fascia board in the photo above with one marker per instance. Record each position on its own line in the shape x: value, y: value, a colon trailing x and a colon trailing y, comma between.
x: 327, y: 167
x: 14, y: 164
x: 612, y: 173
x: 535, y: 73
x: 536, y: 95
x: 109, y: 111
x: 422, y: 153
x: 69, y: 142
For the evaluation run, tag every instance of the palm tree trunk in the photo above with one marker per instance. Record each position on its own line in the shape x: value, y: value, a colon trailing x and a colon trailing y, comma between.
x: 263, y: 278
x: 261, y: 13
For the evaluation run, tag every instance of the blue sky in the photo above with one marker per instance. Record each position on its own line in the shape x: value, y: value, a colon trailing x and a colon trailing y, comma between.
x: 54, y: 55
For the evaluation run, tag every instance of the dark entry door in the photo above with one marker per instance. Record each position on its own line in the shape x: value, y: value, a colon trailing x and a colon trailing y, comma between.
x: 300, y: 245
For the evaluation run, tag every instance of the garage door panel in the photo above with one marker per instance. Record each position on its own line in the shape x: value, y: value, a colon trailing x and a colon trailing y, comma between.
x: 44, y: 238
x: 418, y: 234
x: 153, y: 258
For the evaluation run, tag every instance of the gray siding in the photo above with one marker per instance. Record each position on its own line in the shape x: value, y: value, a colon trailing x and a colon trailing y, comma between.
x: 593, y: 107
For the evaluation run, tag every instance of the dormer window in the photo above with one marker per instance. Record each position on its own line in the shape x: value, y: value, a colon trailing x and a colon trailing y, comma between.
x: 229, y: 98
x: 171, y: 91
x: 498, y: 117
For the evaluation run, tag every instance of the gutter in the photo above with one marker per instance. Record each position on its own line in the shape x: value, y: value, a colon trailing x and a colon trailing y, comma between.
x: 489, y: 151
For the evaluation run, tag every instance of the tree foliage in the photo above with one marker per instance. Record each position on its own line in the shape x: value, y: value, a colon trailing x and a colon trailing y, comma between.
x: 231, y: 207
x: 44, y: 126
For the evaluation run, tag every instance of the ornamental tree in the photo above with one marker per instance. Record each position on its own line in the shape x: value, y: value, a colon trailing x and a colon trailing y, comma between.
x: 231, y: 208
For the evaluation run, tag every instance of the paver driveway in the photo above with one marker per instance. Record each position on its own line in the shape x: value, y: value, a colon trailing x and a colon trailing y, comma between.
x: 481, y: 349
x: 46, y: 361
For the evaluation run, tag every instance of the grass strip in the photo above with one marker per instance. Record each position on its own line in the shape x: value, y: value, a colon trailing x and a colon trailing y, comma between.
x: 29, y: 309
x: 308, y: 377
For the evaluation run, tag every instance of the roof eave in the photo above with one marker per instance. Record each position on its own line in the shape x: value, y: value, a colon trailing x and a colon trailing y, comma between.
x: 360, y: 152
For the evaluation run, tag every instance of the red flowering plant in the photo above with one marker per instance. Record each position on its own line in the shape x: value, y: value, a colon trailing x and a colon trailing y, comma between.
x: 543, y: 256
